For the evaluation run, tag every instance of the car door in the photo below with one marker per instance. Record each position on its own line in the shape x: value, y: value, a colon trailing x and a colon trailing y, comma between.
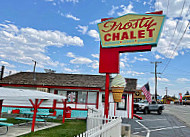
x: 153, y: 105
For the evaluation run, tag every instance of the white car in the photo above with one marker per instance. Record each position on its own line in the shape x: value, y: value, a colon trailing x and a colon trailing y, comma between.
x: 146, y: 107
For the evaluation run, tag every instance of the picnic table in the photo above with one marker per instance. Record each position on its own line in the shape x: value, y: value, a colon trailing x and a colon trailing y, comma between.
x: 7, y: 125
x: 40, y: 116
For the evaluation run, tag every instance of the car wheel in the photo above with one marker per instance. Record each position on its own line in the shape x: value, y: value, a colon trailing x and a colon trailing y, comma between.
x: 146, y: 111
x: 159, y: 111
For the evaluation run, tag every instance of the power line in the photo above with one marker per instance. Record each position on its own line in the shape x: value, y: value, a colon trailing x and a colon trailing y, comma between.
x: 183, y: 22
x: 167, y: 7
x: 176, y: 47
x: 177, y: 24
x: 173, y: 35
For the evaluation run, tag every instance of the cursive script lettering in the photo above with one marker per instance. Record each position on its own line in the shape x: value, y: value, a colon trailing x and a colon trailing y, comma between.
x: 144, y: 22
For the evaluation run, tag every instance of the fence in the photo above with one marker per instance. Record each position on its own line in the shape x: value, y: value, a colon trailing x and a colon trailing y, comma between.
x: 99, y: 126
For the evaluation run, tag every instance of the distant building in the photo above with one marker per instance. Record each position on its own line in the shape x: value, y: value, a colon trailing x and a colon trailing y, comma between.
x: 138, y: 95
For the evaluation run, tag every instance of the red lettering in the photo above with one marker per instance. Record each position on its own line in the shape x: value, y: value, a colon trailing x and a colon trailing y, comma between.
x: 111, y: 25
x: 115, y: 36
x: 132, y: 35
x: 151, y: 32
x: 144, y: 22
x: 141, y: 33
x: 106, y: 37
x: 124, y: 36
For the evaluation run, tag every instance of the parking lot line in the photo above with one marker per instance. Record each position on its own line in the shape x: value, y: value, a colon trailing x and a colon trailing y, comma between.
x: 159, y: 129
x: 167, y: 128
x: 151, y: 119
x: 148, y: 131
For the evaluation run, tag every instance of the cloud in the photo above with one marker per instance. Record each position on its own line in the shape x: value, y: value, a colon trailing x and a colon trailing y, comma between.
x: 124, y: 59
x: 95, y: 55
x: 23, y: 45
x: 158, y: 57
x: 72, y: 17
x: 95, y: 22
x: 163, y: 79
x: 94, y: 34
x: 70, y: 70
x: 174, y: 8
x: 78, y: 59
x: 82, y: 29
x: 74, y: 1
x: 70, y: 54
x: 6, y: 64
x: 182, y: 80
x: 160, y: 79
x: 121, y: 10
x: 112, y: 11
x: 122, y: 65
x: 134, y: 73
x: 139, y: 59
x: 62, y: 1
x: 168, y: 45
x: 125, y: 10
x: 95, y: 64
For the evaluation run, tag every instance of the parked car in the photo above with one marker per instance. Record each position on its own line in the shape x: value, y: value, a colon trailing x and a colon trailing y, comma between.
x: 144, y: 106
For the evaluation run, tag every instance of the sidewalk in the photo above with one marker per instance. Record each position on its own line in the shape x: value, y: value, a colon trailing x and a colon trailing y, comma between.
x: 17, y: 130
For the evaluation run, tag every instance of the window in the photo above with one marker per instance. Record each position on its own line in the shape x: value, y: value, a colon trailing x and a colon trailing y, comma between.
x: 92, y: 97
x: 103, y: 97
x: 62, y: 93
x: 71, y: 96
x: 122, y: 105
x: 153, y: 102
x: 82, y: 97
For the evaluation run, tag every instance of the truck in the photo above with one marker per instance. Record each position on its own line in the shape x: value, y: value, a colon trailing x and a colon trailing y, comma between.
x: 146, y: 107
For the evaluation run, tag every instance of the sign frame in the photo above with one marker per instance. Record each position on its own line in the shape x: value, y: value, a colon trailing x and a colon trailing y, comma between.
x: 153, y: 44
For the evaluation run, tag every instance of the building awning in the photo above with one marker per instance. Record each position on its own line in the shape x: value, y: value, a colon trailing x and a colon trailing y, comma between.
x: 10, y: 93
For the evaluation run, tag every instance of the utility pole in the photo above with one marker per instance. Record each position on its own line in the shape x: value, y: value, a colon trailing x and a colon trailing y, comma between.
x: 156, y: 62
x: 166, y: 91
x: 34, y: 69
x: 2, y: 72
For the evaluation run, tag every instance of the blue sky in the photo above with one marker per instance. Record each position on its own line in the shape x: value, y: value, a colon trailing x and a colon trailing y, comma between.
x: 62, y: 35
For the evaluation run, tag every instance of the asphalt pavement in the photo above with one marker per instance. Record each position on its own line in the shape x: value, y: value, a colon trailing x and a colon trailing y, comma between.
x: 172, y: 123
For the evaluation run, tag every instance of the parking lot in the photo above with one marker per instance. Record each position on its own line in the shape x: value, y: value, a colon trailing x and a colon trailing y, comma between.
x: 154, y: 125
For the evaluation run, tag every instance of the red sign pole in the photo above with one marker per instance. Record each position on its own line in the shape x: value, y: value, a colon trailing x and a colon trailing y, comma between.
x: 106, y: 106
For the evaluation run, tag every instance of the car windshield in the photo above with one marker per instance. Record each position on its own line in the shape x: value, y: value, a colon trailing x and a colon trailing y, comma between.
x: 143, y: 101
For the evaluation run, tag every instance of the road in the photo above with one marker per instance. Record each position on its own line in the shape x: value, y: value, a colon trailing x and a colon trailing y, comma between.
x: 172, y: 123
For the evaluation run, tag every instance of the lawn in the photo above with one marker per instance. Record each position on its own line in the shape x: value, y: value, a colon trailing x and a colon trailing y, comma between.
x: 69, y: 129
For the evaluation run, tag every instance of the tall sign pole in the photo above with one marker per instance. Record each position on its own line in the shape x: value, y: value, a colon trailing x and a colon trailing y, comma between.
x: 106, y: 107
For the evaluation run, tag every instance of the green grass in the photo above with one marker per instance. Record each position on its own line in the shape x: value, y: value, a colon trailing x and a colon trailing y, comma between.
x: 69, y: 129
x: 14, y: 121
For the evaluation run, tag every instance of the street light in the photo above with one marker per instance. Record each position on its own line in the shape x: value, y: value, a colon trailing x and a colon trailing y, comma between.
x: 34, y: 69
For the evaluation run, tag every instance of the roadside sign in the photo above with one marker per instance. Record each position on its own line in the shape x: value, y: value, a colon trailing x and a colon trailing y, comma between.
x: 131, y: 30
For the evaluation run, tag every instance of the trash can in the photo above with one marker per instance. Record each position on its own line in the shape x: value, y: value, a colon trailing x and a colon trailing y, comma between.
x: 68, y: 112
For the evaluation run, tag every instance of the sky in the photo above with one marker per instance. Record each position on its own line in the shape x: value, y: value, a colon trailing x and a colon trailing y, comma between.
x: 62, y: 35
